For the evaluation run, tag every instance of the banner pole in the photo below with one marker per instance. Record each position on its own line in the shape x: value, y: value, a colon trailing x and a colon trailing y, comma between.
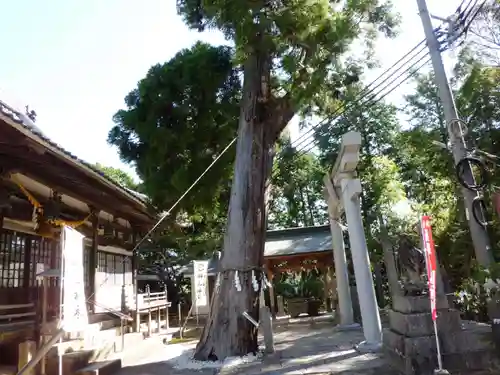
x: 430, y: 262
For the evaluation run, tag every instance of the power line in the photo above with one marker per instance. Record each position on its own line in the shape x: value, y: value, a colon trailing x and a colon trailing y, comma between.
x: 357, y: 102
x: 166, y: 214
x: 367, y: 90
x: 414, y: 70
x: 148, y: 234
x: 437, y: 31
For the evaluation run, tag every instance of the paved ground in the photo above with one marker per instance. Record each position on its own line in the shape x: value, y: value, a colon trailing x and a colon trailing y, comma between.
x: 320, y: 349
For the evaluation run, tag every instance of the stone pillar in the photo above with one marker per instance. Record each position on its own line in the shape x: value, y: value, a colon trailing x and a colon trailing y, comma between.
x: 370, y: 316
x: 326, y: 292
x: 281, y: 306
x: 343, y: 289
x: 272, y: 308
x: 335, y: 297
x: 262, y: 299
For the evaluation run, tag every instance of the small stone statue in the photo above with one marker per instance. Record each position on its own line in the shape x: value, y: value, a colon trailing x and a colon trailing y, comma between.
x: 411, y: 263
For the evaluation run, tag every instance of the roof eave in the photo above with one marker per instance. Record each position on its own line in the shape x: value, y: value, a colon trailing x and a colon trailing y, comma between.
x: 59, y: 153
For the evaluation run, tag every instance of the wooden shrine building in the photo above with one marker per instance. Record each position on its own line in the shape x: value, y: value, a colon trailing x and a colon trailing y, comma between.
x: 42, y: 187
x: 286, y: 250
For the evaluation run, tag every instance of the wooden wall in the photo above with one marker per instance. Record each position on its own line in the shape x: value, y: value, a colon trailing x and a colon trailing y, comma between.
x: 22, y: 256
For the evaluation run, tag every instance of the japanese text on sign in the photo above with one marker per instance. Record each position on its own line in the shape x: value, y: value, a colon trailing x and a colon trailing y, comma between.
x: 74, y: 305
x: 200, y: 277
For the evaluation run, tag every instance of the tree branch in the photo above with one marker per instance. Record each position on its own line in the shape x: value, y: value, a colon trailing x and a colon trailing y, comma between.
x: 282, y: 111
x: 283, y: 108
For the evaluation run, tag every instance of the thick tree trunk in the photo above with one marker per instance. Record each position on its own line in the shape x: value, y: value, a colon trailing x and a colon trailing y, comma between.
x: 227, y: 332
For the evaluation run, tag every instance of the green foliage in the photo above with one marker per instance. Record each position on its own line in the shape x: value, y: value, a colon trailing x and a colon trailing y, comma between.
x: 185, y: 111
x: 303, y: 285
x: 297, y: 186
x: 120, y: 177
x: 177, y: 120
x: 478, y: 291
x: 305, y: 40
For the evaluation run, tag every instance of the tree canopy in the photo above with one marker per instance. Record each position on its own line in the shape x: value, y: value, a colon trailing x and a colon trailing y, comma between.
x: 120, y: 177
x: 176, y: 121
x: 298, y: 60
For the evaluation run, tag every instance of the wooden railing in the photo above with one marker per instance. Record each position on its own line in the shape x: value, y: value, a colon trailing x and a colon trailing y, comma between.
x: 152, y: 300
x: 16, y: 315
x: 116, y: 313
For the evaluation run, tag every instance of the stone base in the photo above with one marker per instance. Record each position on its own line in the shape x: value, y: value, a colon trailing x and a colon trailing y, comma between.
x: 464, y: 352
x: 366, y: 347
x: 421, y: 324
x: 348, y: 327
x: 410, y: 343
x: 417, y: 304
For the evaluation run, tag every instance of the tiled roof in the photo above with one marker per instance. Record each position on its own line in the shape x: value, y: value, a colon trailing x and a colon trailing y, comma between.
x: 285, y: 242
x: 28, y: 124
x: 295, y: 241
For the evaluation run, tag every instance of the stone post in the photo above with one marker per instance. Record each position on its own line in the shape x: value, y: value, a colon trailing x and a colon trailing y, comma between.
x: 343, y: 289
x: 281, y: 306
x: 370, y: 316
x: 327, y: 286
x: 270, y: 277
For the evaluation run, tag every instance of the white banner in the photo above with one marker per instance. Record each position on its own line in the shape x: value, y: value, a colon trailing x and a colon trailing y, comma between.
x: 200, y: 275
x: 75, y: 317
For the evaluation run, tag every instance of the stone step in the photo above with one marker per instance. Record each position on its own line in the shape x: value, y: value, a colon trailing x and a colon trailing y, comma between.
x: 417, y: 304
x: 103, y: 347
x: 463, y: 352
x: 66, y: 347
x: 71, y: 362
x: 101, y: 368
x: 130, y: 341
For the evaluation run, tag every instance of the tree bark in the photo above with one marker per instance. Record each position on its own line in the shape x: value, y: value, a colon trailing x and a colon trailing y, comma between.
x: 227, y: 333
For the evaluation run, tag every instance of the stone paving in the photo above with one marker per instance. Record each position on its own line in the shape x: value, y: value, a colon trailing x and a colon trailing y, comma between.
x: 298, y: 350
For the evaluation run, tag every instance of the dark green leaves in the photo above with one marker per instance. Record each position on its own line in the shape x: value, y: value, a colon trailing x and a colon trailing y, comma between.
x: 177, y: 120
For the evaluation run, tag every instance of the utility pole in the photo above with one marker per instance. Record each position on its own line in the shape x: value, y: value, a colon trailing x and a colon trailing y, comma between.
x: 478, y: 233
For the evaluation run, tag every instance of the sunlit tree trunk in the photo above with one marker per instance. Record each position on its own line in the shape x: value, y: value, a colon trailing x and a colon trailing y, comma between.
x: 227, y: 332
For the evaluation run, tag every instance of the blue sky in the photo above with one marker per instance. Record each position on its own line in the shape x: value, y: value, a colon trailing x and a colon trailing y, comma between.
x: 74, y: 61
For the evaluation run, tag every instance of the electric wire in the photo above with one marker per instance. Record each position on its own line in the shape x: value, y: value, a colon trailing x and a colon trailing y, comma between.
x: 366, y: 90
x: 355, y: 103
x: 412, y: 70
x: 165, y: 215
x: 476, y: 13
x: 470, y: 161
x: 437, y: 31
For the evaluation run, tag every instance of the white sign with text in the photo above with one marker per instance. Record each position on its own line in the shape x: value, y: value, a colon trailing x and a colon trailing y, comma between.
x: 200, y: 276
x: 75, y: 317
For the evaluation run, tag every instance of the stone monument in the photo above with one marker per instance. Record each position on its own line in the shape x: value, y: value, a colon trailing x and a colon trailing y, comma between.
x: 410, y: 342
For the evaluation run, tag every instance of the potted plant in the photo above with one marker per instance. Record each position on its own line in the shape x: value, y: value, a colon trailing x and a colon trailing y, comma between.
x: 301, y: 294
